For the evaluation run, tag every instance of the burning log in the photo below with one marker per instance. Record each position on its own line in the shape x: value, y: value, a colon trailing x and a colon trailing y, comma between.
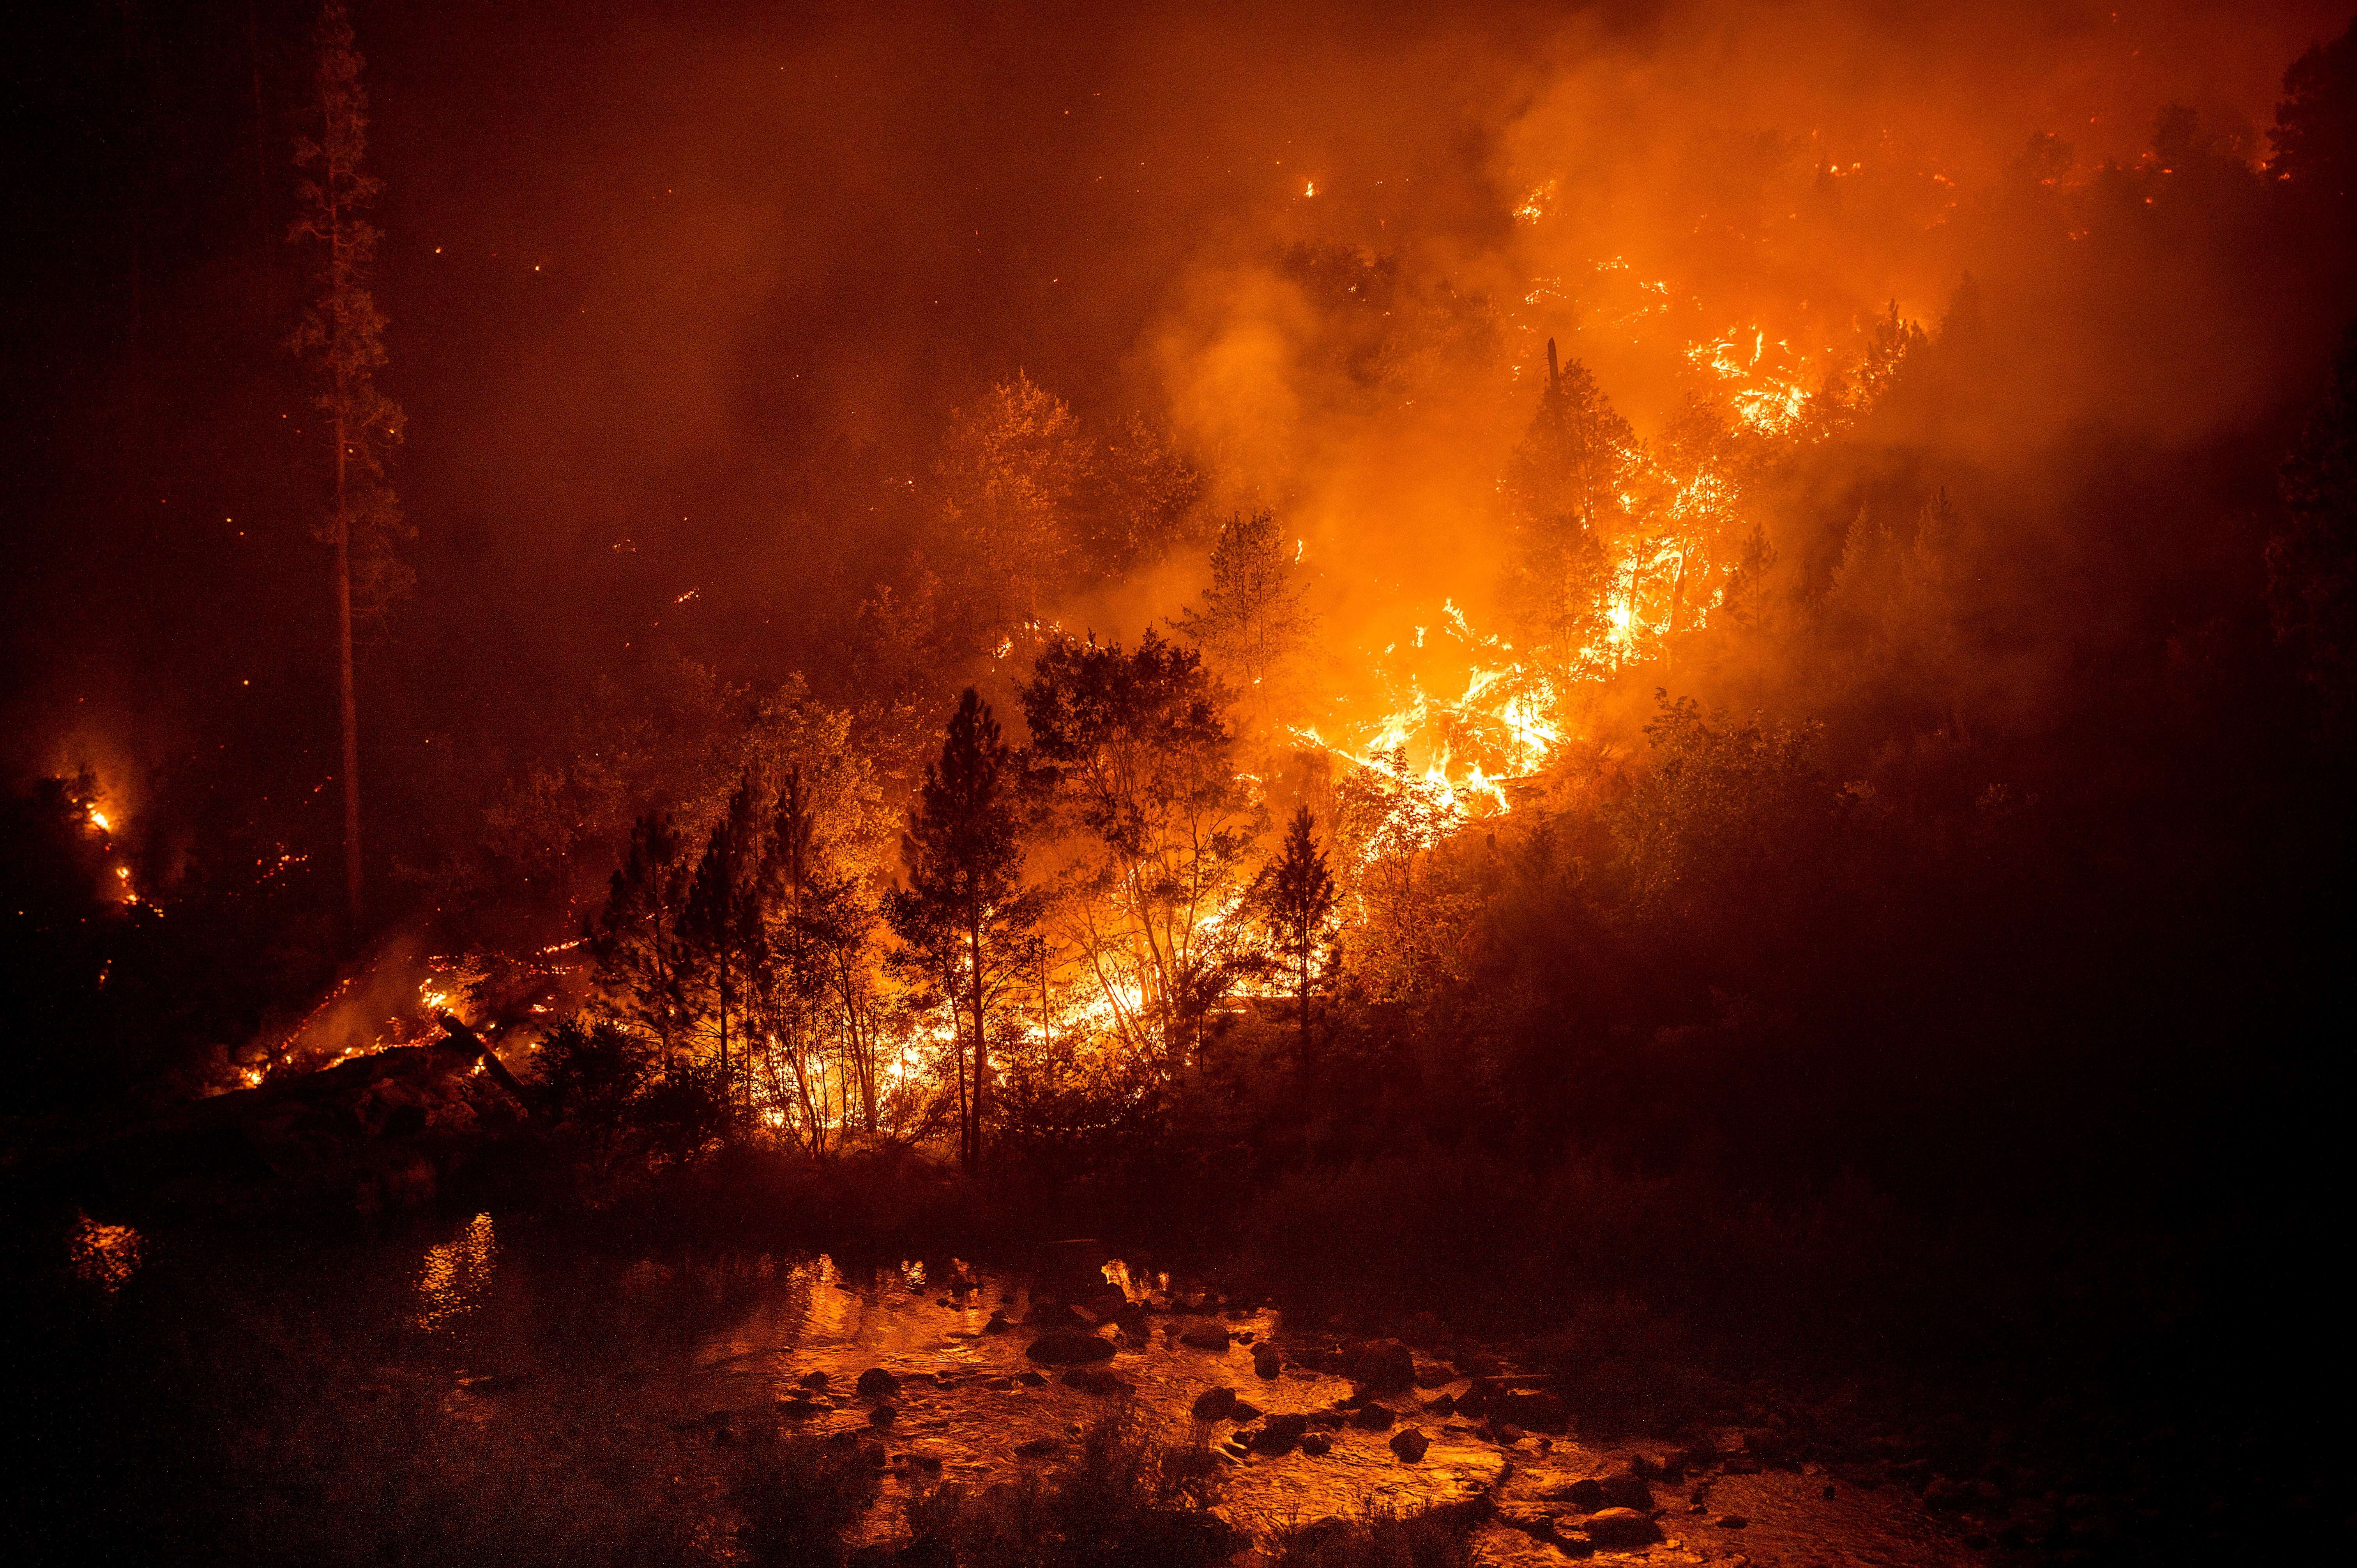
x: 460, y: 1038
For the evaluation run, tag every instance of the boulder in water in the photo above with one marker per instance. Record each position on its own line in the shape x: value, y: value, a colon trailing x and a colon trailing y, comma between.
x: 875, y: 1382
x: 1387, y: 1367
x: 1621, y: 1527
x: 1410, y: 1444
x: 1214, y: 1404
x: 1070, y: 1345
x: 1206, y: 1337
x: 1279, y: 1433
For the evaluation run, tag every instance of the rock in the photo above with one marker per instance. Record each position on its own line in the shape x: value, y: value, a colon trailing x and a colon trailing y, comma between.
x: 1476, y: 1364
x: 1317, y: 1444
x: 882, y: 1415
x: 1131, y: 1316
x: 1373, y: 1417
x: 1530, y: 1521
x: 799, y: 1409
x: 1070, y: 1345
x: 1001, y: 1384
x: 1477, y: 1400
x: 1095, y: 1381
x: 1039, y: 1448
x: 1433, y: 1375
x: 1424, y: 1331
x: 1030, y: 1380
x: 1444, y: 1405
x: 875, y: 1382
x: 997, y: 1324
x: 1052, y: 1315
x: 1331, y: 1420
x: 1621, y: 1527
x: 1942, y: 1494
x: 1666, y: 1460
x: 1214, y: 1404
x: 1732, y: 1522
x: 1410, y: 1444
x: 813, y: 1379
x: 1387, y: 1367
x: 1279, y: 1433
x: 1206, y: 1337
x: 1266, y: 1362
x: 1243, y: 1410
x: 1626, y: 1490
x: 1587, y: 1494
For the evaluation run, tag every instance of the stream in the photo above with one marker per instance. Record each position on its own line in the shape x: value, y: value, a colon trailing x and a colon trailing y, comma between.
x: 548, y: 1367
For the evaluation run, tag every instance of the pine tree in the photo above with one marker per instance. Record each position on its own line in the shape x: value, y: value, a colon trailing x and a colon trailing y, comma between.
x: 1297, y: 901
x: 342, y: 335
x: 965, y: 907
x: 1566, y: 492
x: 636, y: 944
x: 1251, y: 615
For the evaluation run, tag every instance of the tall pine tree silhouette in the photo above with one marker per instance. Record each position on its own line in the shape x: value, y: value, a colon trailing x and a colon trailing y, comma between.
x: 341, y: 334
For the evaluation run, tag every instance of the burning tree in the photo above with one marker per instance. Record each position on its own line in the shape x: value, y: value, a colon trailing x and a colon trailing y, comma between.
x: 1251, y: 615
x: 1012, y: 470
x: 1138, y: 755
x: 754, y: 958
x: 1568, y: 492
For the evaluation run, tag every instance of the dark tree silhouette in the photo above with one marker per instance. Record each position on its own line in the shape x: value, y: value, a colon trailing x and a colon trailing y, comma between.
x: 635, y: 944
x: 1296, y: 903
x: 965, y: 906
x: 342, y: 335
x: 2312, y: 564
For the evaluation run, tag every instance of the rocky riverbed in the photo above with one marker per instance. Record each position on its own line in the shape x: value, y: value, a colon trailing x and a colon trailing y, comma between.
x: 555, y: 1361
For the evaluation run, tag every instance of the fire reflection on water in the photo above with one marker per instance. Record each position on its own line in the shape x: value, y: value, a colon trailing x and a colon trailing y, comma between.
x: 455, y: 1275
x: 104, y: 1255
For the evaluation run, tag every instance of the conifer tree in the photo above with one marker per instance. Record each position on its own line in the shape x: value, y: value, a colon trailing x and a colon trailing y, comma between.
x: 966, y: 904
x: 341, y: 334
x: 636, y: 943
x: 1297, y: 900
x: 1251, y: 615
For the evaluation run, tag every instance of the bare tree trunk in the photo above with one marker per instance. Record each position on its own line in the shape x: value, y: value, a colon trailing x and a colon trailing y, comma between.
x: 981, y: 1059
x: 347, y: 702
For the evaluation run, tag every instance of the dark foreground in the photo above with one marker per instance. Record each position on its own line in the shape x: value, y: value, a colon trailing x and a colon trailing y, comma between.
x: 481, y: 1387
